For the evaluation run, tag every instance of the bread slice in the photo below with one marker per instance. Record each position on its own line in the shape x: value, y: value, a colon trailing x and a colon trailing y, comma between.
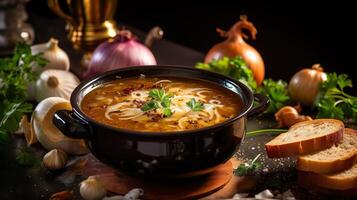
x: 334, y: 159
x: 304, y: 182
x: 306, y: 137
x: 344, y: 180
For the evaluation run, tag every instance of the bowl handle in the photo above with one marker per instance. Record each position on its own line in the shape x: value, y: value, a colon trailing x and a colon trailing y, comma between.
x: 70, y: 125
x: 263, y: 104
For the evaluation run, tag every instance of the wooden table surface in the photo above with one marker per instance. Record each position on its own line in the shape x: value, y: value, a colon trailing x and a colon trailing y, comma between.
x: 18, y: 182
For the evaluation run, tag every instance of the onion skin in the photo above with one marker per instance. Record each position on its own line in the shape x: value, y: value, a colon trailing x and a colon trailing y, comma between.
x: 288, y: 116
x: 236, y: 46
x: 121, y: 51
x: 304, y: 86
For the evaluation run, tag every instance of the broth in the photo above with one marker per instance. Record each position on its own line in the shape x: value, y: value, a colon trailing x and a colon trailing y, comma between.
x: 161, y: 104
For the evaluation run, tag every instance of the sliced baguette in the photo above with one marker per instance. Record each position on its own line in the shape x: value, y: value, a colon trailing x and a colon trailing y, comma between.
x: 334, y: 159
x: 306, y: 137
x: 344, y: 180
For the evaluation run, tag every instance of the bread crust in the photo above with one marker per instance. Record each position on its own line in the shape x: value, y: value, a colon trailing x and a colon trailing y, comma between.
x: 304, y: 182
x: 324, y: 167
x: 305, y: 146
x: 328, y: 181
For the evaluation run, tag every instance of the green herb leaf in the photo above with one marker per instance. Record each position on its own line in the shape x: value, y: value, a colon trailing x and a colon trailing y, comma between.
x: 150, y: 106
x: 265, y: 132
x: 25, y: 157
x: 195, y: 105
x: 157, y: 94
x: 237, y: 69
x: 277, y: 92
x: 166, y: 101
x: 233, y: 67
x: 246, y: 169
x: 16, y: 74
x: 159, y: 100
x: 4, y: 136
x: 333, y: 102
x: 167, y: 112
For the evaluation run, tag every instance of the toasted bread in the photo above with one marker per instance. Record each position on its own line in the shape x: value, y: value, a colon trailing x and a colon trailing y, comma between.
x: 304, y: 182
x: 344, y: 180
x: 306, y: 137
x: 334, y: 159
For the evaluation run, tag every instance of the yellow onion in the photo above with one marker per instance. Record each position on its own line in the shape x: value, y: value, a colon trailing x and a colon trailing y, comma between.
x: 236, y: 46
x: 304, y: 86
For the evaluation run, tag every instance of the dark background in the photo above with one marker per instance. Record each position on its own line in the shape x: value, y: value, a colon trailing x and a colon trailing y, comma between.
x: 290, y: 36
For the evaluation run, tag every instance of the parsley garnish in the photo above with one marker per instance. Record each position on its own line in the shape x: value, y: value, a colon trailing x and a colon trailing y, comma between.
x: 16, y: 74
x: 246, y: 169
x: 157, y: 94
x: 160, y: 99
x: 150, y: 106
x: 167, y: 112
x: 333, y: 102
x: 195, y: 105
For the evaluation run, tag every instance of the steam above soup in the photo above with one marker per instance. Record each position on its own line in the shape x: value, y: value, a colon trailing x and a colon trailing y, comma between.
x: 161, y: 104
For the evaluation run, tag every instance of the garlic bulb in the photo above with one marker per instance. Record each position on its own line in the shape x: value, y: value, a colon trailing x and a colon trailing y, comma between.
x: 55, y: 83
x: 56, y: 57
x: 55, y: 159
x: 92, y: 189
x: 48, y: 134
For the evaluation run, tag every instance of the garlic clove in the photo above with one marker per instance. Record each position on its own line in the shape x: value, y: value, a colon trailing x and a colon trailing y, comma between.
x: 30, y: 135
x: 48, y: 134
x: 92, y: 189
x: 57, y: 57
x: 55, y: 83
x: 55, y: 159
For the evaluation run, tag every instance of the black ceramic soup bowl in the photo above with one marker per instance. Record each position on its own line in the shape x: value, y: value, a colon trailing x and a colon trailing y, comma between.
x: 181, y: 153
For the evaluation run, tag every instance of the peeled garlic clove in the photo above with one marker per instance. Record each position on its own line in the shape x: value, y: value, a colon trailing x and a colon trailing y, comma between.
x: 134, y: 194
x: 55, y: 83
x: 265, y: 194
x: 55, y: 159
x: 92, y: 189
x: 48, y: 134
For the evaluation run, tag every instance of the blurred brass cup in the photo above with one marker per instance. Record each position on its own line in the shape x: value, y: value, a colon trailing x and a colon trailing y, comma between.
x: 89, y: 22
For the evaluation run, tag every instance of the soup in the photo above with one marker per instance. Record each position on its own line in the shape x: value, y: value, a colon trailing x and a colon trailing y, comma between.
x: 160, y: 104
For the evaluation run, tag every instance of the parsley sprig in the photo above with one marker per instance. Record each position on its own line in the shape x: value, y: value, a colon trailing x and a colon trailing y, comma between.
x: 159, y: 99
x: 195, y: 105
x: 16, y: 73
x: 247, y: 169
x: 277, y: 92
x: 236, y: 68
x: 333, y: 102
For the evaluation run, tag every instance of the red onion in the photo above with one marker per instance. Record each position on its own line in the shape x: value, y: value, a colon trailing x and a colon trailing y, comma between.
x: 121, y: 51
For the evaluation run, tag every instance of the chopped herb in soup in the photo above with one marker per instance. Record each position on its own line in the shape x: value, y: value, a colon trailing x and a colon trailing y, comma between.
x: 161, y: 104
